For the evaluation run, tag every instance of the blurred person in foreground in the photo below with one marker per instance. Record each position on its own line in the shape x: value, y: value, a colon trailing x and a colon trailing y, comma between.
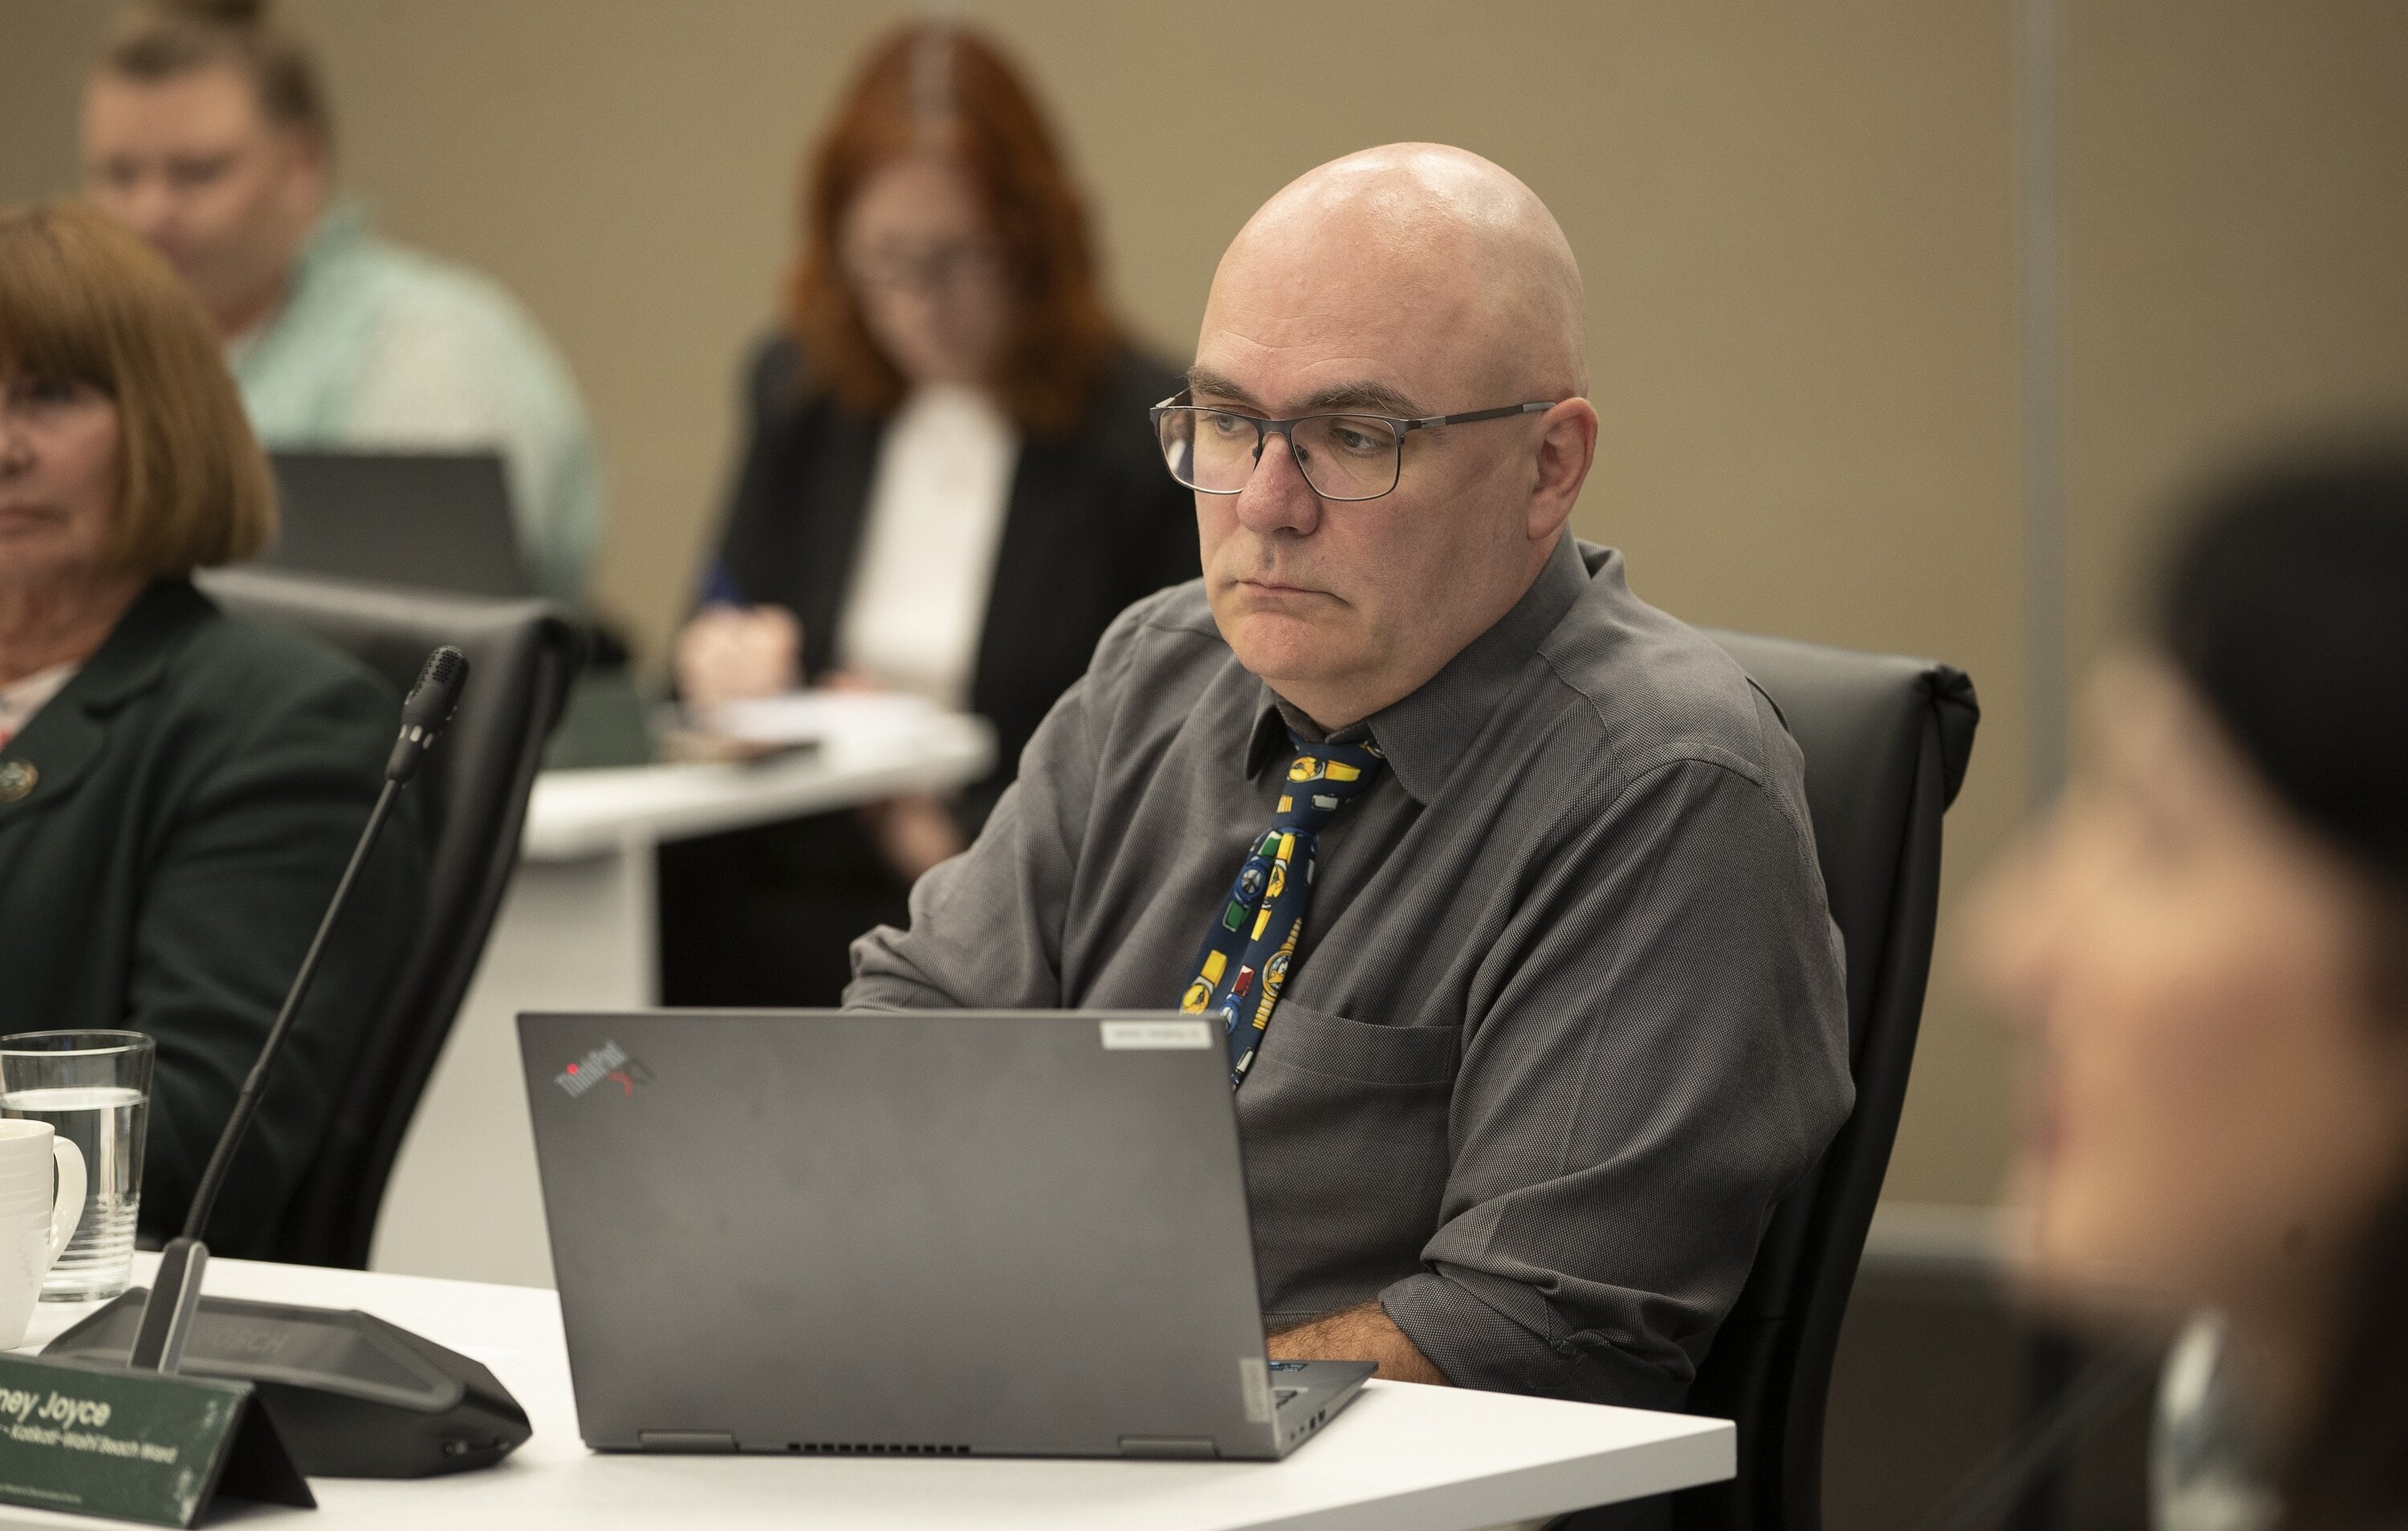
x: 180, y: 791
x: 2206, y: 948
x: 207, y: 129
x: 950, y: 489
x: 1533, y: 1006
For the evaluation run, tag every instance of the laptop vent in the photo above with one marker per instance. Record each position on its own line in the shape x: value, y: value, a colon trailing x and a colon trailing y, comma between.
x: 873, y: 1448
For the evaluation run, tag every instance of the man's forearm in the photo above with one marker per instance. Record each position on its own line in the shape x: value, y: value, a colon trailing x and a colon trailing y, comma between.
x: 1363, y: 1332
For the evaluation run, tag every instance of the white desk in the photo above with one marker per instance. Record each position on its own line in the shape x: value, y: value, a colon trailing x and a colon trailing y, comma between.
x: 1401, y: 1458
x: 579, y: 930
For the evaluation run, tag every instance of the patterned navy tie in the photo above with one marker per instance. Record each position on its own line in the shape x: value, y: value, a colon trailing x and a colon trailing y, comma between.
x: 1244, y: 961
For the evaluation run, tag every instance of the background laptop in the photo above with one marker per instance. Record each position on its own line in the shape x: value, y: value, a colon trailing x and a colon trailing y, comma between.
x: 929, y: 1234
x: 441, y: 521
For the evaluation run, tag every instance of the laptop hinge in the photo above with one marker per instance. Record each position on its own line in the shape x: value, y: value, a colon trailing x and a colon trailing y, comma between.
x: 1191, y: 1448
x: 686, y: 1440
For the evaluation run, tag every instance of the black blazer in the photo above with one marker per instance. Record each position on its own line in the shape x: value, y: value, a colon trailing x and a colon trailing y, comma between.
x: 1095, y: 523
x: 172, y: 824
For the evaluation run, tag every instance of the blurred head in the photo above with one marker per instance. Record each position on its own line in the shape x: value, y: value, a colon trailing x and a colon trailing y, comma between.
x: 943, y: 242
x: 124, y: 446
x: 204, y: 130
x: 1406, y: 281
x: 2207, y: 945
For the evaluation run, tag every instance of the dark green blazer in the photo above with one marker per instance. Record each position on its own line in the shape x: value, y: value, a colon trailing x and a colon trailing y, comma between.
x: 172, y: 825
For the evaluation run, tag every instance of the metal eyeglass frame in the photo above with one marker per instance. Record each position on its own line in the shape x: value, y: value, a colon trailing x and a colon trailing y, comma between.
x: 1265, y: 428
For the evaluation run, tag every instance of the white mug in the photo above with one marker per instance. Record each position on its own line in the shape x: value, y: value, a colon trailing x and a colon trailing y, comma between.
x: 37, y: 1217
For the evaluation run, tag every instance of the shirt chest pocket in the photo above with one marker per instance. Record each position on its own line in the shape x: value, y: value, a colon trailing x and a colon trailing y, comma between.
x: 1345, y: 1128
x: 1333, y: 1048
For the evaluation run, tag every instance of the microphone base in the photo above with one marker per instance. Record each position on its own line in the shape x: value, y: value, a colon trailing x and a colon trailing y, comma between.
x: 352, y: 1395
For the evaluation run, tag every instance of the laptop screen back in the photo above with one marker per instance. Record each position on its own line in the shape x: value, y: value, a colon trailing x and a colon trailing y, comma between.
x: 436, y: 520
x: 1011, y: 1232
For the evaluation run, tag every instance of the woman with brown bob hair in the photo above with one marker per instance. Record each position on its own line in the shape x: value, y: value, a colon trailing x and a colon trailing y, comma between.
x: 951, y: 489
x: 178, y: 790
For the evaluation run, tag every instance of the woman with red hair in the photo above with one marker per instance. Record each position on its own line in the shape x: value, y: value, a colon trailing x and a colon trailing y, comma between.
x: 951, y: 487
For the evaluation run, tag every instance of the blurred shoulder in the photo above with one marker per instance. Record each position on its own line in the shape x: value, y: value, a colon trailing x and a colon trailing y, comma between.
x: 780, y: 386
x: 1654, y: 691
x: 251, y: 674
x: 1167, y: 636
x: 1133, y: 384
x: 1116, y: 433
x: 420, y: 289
x: 773, y: 372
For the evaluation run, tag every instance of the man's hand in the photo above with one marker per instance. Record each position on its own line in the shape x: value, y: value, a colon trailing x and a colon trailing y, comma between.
x: 1363, y: 1332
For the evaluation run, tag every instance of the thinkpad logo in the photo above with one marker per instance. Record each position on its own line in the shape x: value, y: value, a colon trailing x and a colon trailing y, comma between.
x: 606, y: 1064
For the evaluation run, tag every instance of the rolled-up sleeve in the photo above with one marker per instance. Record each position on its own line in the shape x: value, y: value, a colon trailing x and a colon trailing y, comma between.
x: 1656, y: 1053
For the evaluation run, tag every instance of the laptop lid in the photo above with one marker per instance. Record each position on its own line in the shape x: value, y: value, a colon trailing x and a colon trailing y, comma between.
x: 933, y: 1233
x: 437, y: 520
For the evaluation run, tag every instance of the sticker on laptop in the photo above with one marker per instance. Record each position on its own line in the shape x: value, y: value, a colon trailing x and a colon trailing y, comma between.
x: 1156, y: 1035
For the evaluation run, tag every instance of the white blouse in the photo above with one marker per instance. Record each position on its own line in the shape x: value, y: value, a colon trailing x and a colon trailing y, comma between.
x: 919, y: 594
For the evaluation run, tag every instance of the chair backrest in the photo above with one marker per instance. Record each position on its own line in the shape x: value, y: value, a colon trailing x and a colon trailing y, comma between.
x: 523, y: 657
x: 1886, y: 741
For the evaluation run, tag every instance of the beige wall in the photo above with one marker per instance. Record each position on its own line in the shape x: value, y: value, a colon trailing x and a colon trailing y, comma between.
x: 2238, y: 199
x: 1798, y: 225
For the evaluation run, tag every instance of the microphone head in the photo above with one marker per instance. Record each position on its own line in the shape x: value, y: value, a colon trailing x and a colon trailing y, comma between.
x: 428, y: 709
x: 436, y: 696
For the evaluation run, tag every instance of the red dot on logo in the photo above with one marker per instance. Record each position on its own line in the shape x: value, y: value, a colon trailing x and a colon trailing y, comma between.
x: 572, y: 1068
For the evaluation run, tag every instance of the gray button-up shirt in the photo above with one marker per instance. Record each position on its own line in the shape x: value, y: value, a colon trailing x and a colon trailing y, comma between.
x: 1567, y: 1017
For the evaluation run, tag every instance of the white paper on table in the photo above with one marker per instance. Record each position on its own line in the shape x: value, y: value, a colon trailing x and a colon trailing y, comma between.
x: 815, y: 717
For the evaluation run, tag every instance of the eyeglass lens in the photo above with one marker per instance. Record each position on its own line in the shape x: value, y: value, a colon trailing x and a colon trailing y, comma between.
x: 1343, y: 457
x: 932, y: 267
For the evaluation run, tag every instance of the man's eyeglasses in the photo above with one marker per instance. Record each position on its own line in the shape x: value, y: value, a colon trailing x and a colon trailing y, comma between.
x: 1343, y: 457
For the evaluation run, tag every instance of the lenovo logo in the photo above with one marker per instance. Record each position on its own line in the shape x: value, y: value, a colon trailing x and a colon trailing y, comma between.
x: 606, y: 1064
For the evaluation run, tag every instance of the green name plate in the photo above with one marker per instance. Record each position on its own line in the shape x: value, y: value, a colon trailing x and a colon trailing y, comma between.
x: 135, y: 1445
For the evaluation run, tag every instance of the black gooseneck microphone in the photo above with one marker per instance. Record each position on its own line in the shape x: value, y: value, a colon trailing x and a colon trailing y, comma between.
x: 167, y: 1317
x: 427, y: 712
x: 350, y: 1395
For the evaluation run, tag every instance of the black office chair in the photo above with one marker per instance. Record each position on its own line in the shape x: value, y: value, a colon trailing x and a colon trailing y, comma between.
x: 1886, y: 741
x: 523, y: 657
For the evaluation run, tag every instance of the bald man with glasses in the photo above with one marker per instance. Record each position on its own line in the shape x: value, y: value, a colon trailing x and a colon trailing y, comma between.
x: 1497, y: 881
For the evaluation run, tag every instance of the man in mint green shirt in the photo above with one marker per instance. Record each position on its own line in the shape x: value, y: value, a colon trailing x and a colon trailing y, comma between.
x: 377, y: 346
x: 210, y: 137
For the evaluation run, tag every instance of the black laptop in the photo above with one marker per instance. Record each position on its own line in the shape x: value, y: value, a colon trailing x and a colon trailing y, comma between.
x: 437, y: 520
x: 935, y: 1233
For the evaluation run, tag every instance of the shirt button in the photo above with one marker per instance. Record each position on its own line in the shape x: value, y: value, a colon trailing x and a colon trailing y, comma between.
x: 17, y: 778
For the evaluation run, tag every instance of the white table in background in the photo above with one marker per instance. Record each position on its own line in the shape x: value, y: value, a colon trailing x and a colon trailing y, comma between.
x: 1400, y: 1458
x: 579, y: 930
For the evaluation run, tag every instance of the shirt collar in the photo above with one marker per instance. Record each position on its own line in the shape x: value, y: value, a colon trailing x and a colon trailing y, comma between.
x: 1426, y: 734
x: 1275, y: 719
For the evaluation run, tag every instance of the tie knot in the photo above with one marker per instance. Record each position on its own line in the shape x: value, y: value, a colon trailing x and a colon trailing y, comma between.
x: 1322, y: 778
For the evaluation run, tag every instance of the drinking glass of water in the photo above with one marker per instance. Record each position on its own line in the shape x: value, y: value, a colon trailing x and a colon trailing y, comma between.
x: 95, y: 1088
